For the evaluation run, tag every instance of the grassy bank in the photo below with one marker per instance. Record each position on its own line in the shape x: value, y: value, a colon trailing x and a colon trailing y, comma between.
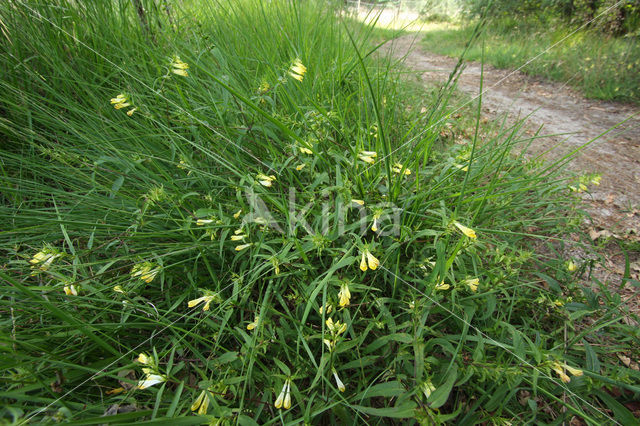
x: 234, y: 214
x: 600, y: 66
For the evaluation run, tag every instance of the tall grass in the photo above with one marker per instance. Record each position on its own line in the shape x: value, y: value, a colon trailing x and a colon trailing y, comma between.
x: 253, y: 230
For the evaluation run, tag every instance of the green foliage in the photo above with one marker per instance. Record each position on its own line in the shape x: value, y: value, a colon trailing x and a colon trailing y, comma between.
x: 157, y: 267
x: 614, y: 17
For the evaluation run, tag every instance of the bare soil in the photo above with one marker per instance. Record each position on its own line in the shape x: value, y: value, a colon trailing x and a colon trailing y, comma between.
x: 570, y: 121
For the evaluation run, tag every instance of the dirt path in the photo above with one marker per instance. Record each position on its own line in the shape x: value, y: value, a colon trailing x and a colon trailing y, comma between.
x: 571, y: 120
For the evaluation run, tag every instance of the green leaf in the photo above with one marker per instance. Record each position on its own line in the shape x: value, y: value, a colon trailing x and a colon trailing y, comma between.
x: 441, y: 394
x: 404, y: 411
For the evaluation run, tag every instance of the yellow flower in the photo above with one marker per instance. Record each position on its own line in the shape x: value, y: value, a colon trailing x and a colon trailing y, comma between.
x: 237, y: 237
x: 265, y: 180
x: 472, y: 284
x: 463, y: 168
x: 367, y: 156
x: 118, y: 289
x: 287, y: 397
x: 242, y: 247
x: 297, y: 70
x: 374, y: 226
x: 596, y: 180
x: 571, y: 267
x: 300, y: 166
x: 120, y: 101
x: 372, y: 261
x: 284, y: 399
x: 397, y: 168
x: 70, y: 290
x: 207, y: 299
x: 144, y: 359
x: 428, y: 388
x: 237, y: 214
x: 344, y: 295
x: 466, y: 231
x: 253, y: 324
x: 560, y: 372
x: 358, y: 202
x: 574, y: 371
x: 201, y: 404
x: 43, y: 259
x: 305, y: 150
x: 336, y: 328
x: 338, y: 381
x: 201, y: 222
x: 363, y: 263
x: 329, y: 309
x: 131, y: 111
x: 178, y: 67
x: 150, y: 380
x: 146, y: 271
x: 442, y: 286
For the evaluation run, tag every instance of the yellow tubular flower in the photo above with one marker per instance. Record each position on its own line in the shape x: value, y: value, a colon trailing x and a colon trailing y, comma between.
x: 358, y: 202
x: 148, y: 277
x: 571, y: 267
x: 297, y: 70
x: 329, y: 309
x: 374, y: 227
x: 70, y: 290
x: 442, y: 286
x: 207, y: 299
x: 131, y: 111
x: 305, y: 150
x: 150, y: 380
x: 265, y: 180
x: 237, y: 237
x: 237, y: 214
x: 280, y: 398
x: 397, y: 169
x: 466, y: 231
x: 253, y: 324
x: 344, y: 295
x: 372, y: 261
x: 242, y: 247
x: 178, y: 67
x: 338, y: 381
x: 428, y: 388
x: 287, y: 398
x: 363, y: 263
x: 144, y: 358
x: 472, y: 284
x: 196, y: 404
x: 300, y: 167
x: 574, y: 371
x: 201, y: 222
x: 560, y: 372
x: 118, y: 289
x: 366, y: 159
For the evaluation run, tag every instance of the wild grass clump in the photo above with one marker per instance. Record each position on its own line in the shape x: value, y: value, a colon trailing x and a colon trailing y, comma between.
x: 234, y: 214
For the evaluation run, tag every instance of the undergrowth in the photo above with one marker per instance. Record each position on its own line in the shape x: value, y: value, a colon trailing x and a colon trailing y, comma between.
x: 235, y: 213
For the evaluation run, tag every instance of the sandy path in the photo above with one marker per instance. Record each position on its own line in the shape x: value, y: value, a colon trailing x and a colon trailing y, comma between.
x: 572, y: 119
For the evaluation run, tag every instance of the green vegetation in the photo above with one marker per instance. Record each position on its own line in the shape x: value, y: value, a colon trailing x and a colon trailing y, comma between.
x: 601, y: 67
x: 237, y: 214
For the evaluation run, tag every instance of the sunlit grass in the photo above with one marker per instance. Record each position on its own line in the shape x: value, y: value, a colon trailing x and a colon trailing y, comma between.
x: 237, y: 213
